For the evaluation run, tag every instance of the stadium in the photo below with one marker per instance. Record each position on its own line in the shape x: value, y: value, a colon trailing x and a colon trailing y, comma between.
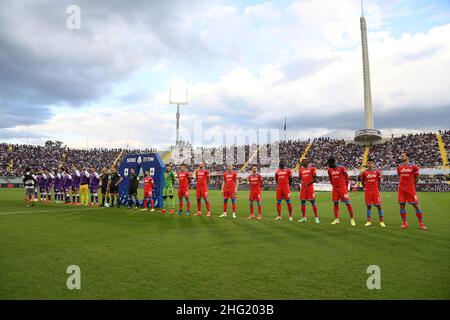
x: 140, y: 209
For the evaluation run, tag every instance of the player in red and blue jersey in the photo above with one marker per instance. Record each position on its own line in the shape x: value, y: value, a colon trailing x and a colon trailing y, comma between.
x: 308, y: 177
x: 149, y: 184
x: 256, y: 183
x: 339, y: 180
x: 408, y: 174
x: 202, y: 177
x: 371, y: 179
x: 229, y: 190
x: 184, y: 179
x: 283, y: 178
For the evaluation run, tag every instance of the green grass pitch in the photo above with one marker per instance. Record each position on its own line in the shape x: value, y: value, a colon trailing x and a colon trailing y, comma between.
x: 124, y: 254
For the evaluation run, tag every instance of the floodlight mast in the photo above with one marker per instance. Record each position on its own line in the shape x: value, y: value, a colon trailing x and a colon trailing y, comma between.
x: 177, y: 141
x: 178, y: 101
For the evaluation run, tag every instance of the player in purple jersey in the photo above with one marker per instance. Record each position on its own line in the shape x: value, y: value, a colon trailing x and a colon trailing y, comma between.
x: 67, y: 184
x: 36, y: 186
x: 76, y: 179
x: 48, y: 187
x: 43, y: 185
x: 57, y: 186
x: 94, y: 181
x: 63, y: 187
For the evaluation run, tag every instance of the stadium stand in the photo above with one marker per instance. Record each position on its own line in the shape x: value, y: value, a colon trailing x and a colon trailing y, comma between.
x: 442, y: 147
x: 303, y: 156
x: 428, y: 150
x: 38, y: 157
x: 347, y: 154
x: 423, y: 149
x: 365, y: 157
x: 249, y: 160
x: 119, y: 157
x: 166, y: 156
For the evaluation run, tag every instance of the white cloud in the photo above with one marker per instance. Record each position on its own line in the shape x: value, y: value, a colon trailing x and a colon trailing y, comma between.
x: 302, y: 60
x: 412, y: 71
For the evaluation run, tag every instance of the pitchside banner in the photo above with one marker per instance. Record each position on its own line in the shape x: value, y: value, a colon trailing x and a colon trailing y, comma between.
x: 420, y: 187
x: 142, y: 162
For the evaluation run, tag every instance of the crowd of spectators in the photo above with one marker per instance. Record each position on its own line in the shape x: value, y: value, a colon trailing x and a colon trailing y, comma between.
x: 14, y: 158
x: 423, y: 149
x: 446, y: 139
x: 347, y: 154
x: 270, y: 184
x: 264, y: 156
x: 437, y: 178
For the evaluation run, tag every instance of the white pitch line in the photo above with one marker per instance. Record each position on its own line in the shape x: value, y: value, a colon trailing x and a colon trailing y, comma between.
x: 44, y: 211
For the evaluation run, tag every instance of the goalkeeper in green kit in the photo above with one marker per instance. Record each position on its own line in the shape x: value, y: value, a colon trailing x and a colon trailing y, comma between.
x: 168, y: 191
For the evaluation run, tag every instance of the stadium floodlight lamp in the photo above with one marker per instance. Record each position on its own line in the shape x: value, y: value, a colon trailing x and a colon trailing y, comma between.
x: 178, y: 95
x: 178, y: 92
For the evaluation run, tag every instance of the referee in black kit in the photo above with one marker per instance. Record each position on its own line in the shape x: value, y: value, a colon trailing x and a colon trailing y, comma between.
x: 114, y: 181
x: 133, y: 188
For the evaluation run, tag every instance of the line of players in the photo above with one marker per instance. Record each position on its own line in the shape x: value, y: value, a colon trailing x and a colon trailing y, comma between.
x: 371, y: 178
x: 338, y: 176
x: 72, y: 187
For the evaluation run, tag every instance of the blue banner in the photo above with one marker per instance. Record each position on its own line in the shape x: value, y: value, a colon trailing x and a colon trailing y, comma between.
x: 142, y: 162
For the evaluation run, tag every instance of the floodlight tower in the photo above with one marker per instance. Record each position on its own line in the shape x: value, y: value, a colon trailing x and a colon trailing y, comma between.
x: 369, y: 134
x: 179, y: 96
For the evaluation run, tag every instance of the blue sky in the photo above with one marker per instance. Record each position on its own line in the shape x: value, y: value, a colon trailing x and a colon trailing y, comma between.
x: 249, y: 64
x: 418, y: 16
